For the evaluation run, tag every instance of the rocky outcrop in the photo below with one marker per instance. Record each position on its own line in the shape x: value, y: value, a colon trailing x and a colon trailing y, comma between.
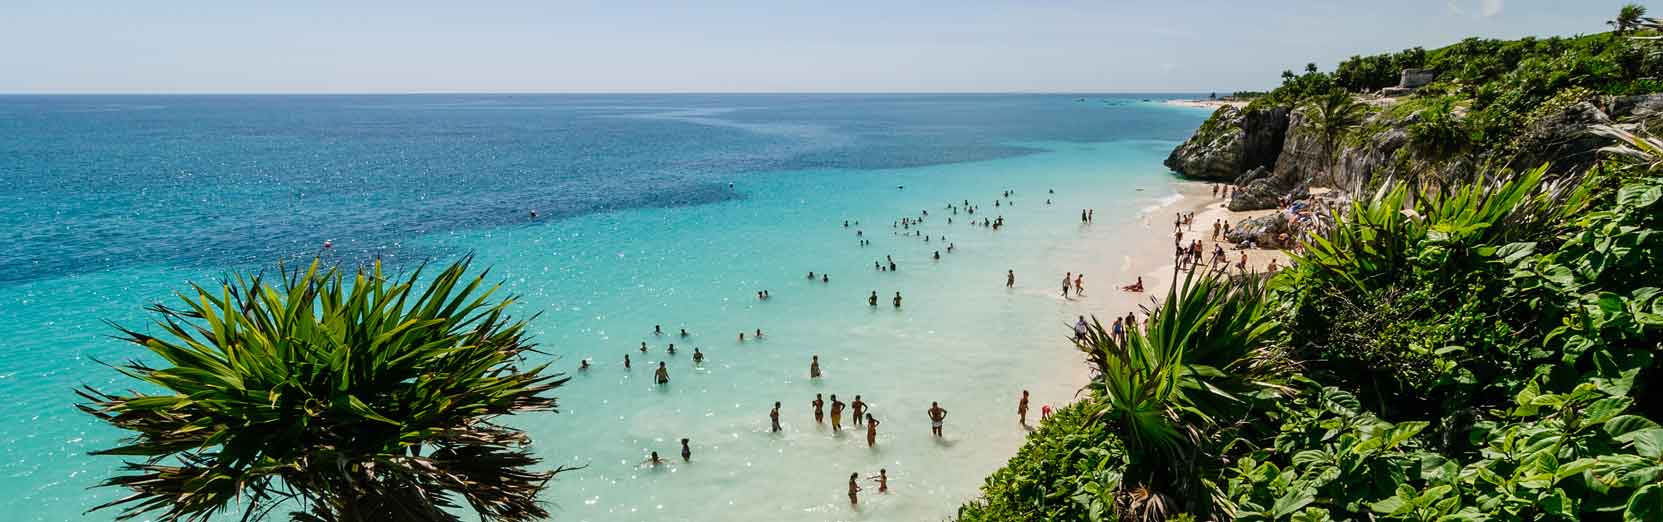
x: 1232, y: 141
x: 1270, y: 154
x: 1267, y: 231
x: 1560, y: 137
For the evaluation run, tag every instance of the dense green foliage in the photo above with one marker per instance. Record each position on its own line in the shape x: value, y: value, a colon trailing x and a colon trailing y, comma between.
x: 1487, y: 92
x: 360, y: 399
x: 1468, y: 350
x: 1480, y: 352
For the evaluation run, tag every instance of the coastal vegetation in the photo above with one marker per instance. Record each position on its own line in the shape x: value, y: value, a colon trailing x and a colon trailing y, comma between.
x: 336, y: 398
x: 1476, y: 344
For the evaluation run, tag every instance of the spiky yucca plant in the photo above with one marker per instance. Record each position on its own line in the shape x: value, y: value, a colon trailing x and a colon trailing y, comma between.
x: 1174, y: 391
x: 357, y: 398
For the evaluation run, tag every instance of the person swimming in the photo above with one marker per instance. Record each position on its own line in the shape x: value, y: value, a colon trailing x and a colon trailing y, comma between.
x: 819, y: 408
x: 672, y: 349
x: 758, y: 333
x: 698, y: 356
x: 684, y: 332
x: 836, y: 413
x: 741, y: 336
x: 938, y: 255
x: 686, y: 452
x: 938, y: 415
x: 643, y: 347
x: 1022, y: 409
x: 897, y: 299
x: 662, y: 376
x: 654, y: 460
x: 825, y: 278
x: 583, y: 365
x: 811, y: 275
x: 774, y: 417
x: 814, y: 368
x: 871, y: 431
x: 873, y: 299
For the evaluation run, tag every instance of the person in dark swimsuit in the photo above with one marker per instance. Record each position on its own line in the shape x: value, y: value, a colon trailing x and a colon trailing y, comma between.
x: 774, y: 416
x: 662, y: 376
x: 686, y: 452
x: 819, y: 409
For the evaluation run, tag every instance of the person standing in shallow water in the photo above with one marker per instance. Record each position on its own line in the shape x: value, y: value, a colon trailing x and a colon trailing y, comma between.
x: 626, y: 361
x: 1022, y: 409
x: 897, y: 299
x: 871, y: 430
x: 854, y: 489
x: 1010, y: 278
x: 819, y: 409
x: 662, y: 376
x: 837, y: 414
x: 873, y: 299
x: 686, y: 452
x: 938, y: 415
x: 814, y: 368
x: 859, y: 408
x: 774, y: 417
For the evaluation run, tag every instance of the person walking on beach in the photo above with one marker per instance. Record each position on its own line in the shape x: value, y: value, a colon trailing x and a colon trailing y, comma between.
x: 686, y: 452
x: 1022, y: 409
x: 854, y: 489
x: 859, y: 409
x: 1067, y: 282
x: 819, y: 409
x: 1242, y: 265
x: 1091, y: 215
x: 873, y: 299
x: 1080, y: 285
x: 662, y: 376
x: 1010, y: 278
x: 937, y: 416
x: 1216, y: 224
x: 1080, y: 329
x: 871, y: 430
x: 837, y: 414
x: 774, y: 417
x: 1082, y: 215
x: 814, y: 368
x: 897, y: 300
x: 1119, y: 330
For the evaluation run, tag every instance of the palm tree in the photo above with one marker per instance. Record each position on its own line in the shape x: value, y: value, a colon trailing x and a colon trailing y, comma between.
x: 1628, y: 18
x: 358, y: 399
x: 1333, y: 115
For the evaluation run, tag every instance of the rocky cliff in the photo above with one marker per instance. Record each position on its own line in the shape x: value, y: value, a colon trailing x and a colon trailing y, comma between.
x: 1270, y: 153
x: 1231, y: 142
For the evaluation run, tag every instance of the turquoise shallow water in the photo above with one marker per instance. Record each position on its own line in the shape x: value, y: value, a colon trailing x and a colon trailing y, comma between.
x: 604, y: 271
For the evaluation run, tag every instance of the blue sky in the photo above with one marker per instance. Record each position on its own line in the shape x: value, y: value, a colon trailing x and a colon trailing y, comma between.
x: 164, y: 46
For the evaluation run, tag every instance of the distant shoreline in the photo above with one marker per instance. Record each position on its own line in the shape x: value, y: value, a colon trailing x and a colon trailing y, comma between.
x: 1207, y: 104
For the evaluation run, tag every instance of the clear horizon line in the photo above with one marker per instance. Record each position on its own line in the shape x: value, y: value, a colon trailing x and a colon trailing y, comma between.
x: 466, y: 92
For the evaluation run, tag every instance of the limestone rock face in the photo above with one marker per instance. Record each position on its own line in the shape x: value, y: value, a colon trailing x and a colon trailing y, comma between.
x: 1232, y: 141
x: 1264, y: 231
x: 1562, y: 140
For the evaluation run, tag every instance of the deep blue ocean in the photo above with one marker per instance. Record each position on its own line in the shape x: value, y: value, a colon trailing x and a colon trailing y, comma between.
x: 649, y: 209
x: 101, y: 182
